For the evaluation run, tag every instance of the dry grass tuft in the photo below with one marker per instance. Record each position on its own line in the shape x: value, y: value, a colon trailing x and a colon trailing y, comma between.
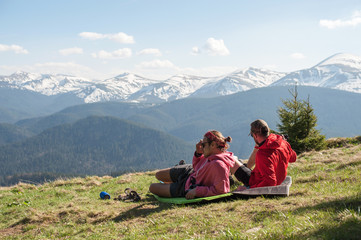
x: 337, y: 155
x: 11, y: 231
x: 69, y: 182
x: 127, y: 178
x: 93, y: 183
x: 312, y: 179
x: 343, y: 142
x: 26, y: 186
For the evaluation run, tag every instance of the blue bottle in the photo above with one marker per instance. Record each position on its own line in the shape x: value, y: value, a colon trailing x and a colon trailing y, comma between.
x: 104, y: 195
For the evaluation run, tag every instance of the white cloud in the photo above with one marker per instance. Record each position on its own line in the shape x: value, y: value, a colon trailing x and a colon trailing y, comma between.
x: 195, y: 51
x: 120, y: 53
x: 353, y: 21
x: 91, y: 35
x: 117, y: 37
x: 297, y: 56
x: 216, y: 47
x: 150, y: 51
x: 120, y: 37
x: 212, y: 47
x: 15, y: 48
x: 70, y: 51
x: 155, y: 64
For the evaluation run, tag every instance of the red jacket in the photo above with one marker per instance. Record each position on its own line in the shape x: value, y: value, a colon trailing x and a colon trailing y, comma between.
x: 272, y: 160
x: 211, y: 174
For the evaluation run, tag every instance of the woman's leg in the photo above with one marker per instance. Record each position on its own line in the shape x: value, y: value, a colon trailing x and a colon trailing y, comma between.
x: 164, y: 175
x: 243, y: 174
x: 160, y: 189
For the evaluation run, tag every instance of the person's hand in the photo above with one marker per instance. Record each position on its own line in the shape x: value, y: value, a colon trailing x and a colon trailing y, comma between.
x: 199, y: 147
x: 241, y: 188
x: 191, y: 194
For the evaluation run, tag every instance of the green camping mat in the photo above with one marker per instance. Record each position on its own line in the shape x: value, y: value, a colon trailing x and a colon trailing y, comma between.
x: 183, y: 200
x: 283, y: 189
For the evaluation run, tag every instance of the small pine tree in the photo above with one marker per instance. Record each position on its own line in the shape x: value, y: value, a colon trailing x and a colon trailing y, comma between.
x: 298, y: 121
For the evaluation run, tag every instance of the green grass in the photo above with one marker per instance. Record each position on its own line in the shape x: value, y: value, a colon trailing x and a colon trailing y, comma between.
x: 324, y: 203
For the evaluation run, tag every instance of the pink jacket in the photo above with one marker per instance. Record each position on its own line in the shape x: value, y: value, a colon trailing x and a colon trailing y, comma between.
x: 272, y: 160
x: 211, y: 174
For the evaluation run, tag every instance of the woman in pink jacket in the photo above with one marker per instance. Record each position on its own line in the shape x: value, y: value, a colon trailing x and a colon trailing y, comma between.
x: 207, y: 176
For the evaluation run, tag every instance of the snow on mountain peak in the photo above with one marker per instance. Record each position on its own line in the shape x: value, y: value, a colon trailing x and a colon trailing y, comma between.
x: 342, y: 59
x: 237, y: 81
x: 340, y: 71
x: 44, y: 83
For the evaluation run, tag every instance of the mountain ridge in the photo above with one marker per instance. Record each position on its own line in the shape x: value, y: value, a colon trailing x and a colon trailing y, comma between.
x: 339, y: 71
x: 189, y: 118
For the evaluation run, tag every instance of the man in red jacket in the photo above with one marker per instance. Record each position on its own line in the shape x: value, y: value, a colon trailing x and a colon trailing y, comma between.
x: 270, y: 156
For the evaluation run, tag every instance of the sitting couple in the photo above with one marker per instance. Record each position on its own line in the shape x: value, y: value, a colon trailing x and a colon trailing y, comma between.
x: 213, y: 164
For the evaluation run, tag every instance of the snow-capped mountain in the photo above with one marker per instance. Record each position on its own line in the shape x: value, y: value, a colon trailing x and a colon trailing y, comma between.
x: 238, y: 81
x: 44, y: 83
x: 340, y: 71
x: 118, y: 88
x: 176, y: 87
x: 131, y: 87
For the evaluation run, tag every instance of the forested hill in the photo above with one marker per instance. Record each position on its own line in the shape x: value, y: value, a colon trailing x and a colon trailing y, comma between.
x: 93, y: 146
x: 10, y: 133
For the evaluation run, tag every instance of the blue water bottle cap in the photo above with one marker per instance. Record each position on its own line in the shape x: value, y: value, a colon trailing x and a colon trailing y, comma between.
x: 104, y: 195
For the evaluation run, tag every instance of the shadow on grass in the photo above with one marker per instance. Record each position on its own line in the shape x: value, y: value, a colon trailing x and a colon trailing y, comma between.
x: 145, y: 207
x: 353, y: 202
x: 348, y: 227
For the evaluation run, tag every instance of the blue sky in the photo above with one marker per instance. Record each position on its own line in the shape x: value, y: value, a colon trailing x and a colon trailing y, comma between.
x: 158, y: 39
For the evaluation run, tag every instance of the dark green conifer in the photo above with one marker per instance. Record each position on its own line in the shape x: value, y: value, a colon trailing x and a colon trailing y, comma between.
x: 299, y: 122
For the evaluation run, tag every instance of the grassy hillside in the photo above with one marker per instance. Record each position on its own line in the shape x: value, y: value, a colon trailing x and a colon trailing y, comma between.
x: 324, y: 203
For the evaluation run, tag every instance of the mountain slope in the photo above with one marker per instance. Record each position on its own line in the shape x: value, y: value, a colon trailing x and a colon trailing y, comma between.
x: 176, y: 87
x: 238, y: 81
x: 119, y: 88
x: 24, y: 95
x: 95, y: 145
x: 16, y: 104
x: 45, y: 84
x: 340, y: 71
x: 189, y: 118
x: 11, y: 133
x: 75, y: 113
